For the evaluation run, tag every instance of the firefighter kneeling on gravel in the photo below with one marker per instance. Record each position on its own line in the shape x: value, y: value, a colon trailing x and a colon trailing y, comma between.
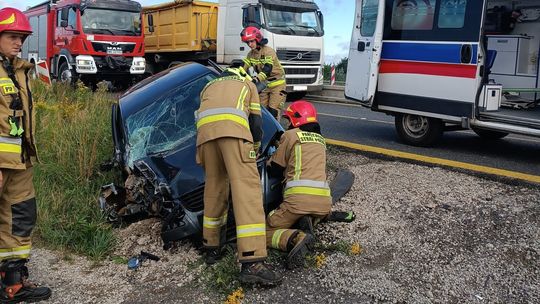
x: 17, y: 154
x: 229, y: 132
x: 301, y: 156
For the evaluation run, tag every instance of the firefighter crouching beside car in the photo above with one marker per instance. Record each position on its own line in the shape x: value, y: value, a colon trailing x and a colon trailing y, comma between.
x: 17, y: 155
x: 229, y: 132
x: 264, y: 61
x: 301, y: 156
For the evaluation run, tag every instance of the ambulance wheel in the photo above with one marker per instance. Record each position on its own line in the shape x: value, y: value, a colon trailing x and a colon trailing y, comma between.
x: 489, y: 134
x: 66, y: 74
x: 418, y: 130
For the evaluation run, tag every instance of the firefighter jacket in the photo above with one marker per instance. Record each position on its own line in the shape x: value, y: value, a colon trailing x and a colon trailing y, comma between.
x: 303, y: 155
x: 229, y: 108
x: 18, y: 150
x: 266, y: 64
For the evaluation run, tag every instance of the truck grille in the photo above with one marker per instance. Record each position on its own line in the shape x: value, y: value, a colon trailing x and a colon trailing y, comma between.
x: 193, y: 200
x: 102, y: 47
x: 301, y: 71
x: 298, y: 55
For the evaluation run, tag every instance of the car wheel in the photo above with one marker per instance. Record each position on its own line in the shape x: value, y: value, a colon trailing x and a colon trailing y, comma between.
x: 418, y: 130
x: 489, y: 134
x: 66, y: 74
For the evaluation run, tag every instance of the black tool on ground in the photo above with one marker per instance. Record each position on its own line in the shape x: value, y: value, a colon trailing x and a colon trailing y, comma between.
x: 136, y: 261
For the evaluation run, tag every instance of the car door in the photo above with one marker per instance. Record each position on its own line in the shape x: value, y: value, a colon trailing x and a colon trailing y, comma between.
x: 365, y: 51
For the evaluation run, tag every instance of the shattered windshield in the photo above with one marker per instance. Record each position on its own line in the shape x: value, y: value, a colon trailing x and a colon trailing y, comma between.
x: 166, y: 123
x: 101, y: 21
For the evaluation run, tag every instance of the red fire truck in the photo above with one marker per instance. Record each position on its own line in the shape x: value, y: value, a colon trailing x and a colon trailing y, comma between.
x: 91, y: 40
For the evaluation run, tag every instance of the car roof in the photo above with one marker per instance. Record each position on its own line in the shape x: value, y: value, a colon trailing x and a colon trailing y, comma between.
x: 149, y: 89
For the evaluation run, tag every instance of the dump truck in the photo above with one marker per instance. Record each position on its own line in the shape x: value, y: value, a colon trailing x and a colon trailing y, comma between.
x: 186, y: 30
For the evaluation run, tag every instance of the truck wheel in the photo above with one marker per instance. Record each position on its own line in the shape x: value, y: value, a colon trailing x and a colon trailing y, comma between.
x: 66, y: 74
x: 489, y: 134
x: 418, y: 130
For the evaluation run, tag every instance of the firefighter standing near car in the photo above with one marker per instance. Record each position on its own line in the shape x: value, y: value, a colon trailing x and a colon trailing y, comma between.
x: 301, y: 158
x: 265, y: 63
x: 229, y: 132
x: 17, y: 155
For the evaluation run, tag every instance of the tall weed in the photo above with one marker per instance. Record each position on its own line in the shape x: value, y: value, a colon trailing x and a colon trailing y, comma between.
x: 73, y: 137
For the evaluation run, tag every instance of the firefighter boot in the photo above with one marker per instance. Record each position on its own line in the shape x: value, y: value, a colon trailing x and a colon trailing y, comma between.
x: 15, y: 285
x: 299, y: 245
x: 259, y: 273
x: 341, y: 216
x: 305, y: 223
x: 212, y: 255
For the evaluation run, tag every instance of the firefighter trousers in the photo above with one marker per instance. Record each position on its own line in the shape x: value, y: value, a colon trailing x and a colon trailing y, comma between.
x: 278, y: 224
x: 230, y: 163
x: 274, y: 98
x: 18, y: 213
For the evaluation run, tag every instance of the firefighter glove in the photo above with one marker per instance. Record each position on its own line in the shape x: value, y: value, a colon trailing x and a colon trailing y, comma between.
x: 256, y: 146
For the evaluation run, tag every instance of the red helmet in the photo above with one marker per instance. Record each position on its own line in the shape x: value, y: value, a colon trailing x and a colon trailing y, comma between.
x: 251, y: 33
x: 13, y: 20
x: 300, y: 113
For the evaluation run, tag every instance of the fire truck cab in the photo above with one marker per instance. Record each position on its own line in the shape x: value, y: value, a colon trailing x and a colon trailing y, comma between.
x: 91, y: 40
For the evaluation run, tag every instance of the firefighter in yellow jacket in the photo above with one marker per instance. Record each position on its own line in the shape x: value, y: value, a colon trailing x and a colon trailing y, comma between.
x: 301, y: 156
x: 229, y: 132
x: 264, y: 61
x: 17, y: 155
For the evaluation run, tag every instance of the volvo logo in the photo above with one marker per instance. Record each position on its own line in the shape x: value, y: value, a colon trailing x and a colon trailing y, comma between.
x: 299, y: 56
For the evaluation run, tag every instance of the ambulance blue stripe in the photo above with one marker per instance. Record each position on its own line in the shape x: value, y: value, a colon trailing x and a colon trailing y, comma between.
x: 425, y: 52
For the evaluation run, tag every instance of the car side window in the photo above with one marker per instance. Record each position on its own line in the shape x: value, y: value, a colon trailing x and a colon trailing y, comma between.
x: 72, y: 18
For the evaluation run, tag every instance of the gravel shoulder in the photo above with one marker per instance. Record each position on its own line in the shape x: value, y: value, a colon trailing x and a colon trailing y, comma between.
x: 427, y: 235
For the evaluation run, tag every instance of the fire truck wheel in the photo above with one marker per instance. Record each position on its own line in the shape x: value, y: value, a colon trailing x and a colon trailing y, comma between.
x: 489, y: 134
x: 418, y: 130
x: 66, y: 74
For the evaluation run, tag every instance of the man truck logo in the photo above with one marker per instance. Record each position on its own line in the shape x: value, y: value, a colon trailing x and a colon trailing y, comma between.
x: 114, y: 50
x: 114, y: 43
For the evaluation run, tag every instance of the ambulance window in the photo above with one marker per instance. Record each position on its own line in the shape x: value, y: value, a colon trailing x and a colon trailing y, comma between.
x: 369, y: 17
x: 413, y: 14
x: 452, y: 14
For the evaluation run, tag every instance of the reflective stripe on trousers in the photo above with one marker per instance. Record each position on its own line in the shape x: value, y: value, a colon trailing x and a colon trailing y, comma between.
x: 305, y: 186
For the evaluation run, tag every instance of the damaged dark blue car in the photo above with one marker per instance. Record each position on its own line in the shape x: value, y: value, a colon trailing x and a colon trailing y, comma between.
x: 154, y: 135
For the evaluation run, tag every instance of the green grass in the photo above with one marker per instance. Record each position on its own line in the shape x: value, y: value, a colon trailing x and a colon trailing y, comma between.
x: 222, y: 277
x: 73, y: 137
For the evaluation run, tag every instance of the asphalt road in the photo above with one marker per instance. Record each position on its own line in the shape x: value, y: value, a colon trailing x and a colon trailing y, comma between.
x: 360, y: 125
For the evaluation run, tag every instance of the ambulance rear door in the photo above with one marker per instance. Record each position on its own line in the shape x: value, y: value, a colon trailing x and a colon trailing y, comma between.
x: 365, y: 51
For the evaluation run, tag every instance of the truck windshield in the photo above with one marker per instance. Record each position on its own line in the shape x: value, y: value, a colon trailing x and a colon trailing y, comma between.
x: 291, y: 21
x: 109, y: 22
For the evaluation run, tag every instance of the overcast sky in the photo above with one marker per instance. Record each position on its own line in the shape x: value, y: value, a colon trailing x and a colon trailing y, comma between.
x: 338, y: 20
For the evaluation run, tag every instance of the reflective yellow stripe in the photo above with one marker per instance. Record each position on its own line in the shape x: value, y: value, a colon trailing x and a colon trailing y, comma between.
x: 241, y: 98
x: 17, y: 252
x: 255, y: 106
x: 276, y: 237
x: 9, y: 20
x: 214, y: 222
x: 10, y: 148
x: 222, y: 117
x: 250, y: 230
x: 307, y: 190
x: 276, y: 83
x: 297, y: 161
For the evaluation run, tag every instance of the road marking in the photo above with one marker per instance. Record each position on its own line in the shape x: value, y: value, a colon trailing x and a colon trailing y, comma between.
x: 470, y: 132
x: 437, y: 161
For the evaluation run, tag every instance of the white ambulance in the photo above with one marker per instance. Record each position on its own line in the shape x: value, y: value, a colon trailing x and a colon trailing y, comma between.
x: 439, y: 65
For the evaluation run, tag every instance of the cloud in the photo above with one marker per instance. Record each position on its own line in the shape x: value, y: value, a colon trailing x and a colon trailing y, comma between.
x: 22, y: 5
x: 335, y: 58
